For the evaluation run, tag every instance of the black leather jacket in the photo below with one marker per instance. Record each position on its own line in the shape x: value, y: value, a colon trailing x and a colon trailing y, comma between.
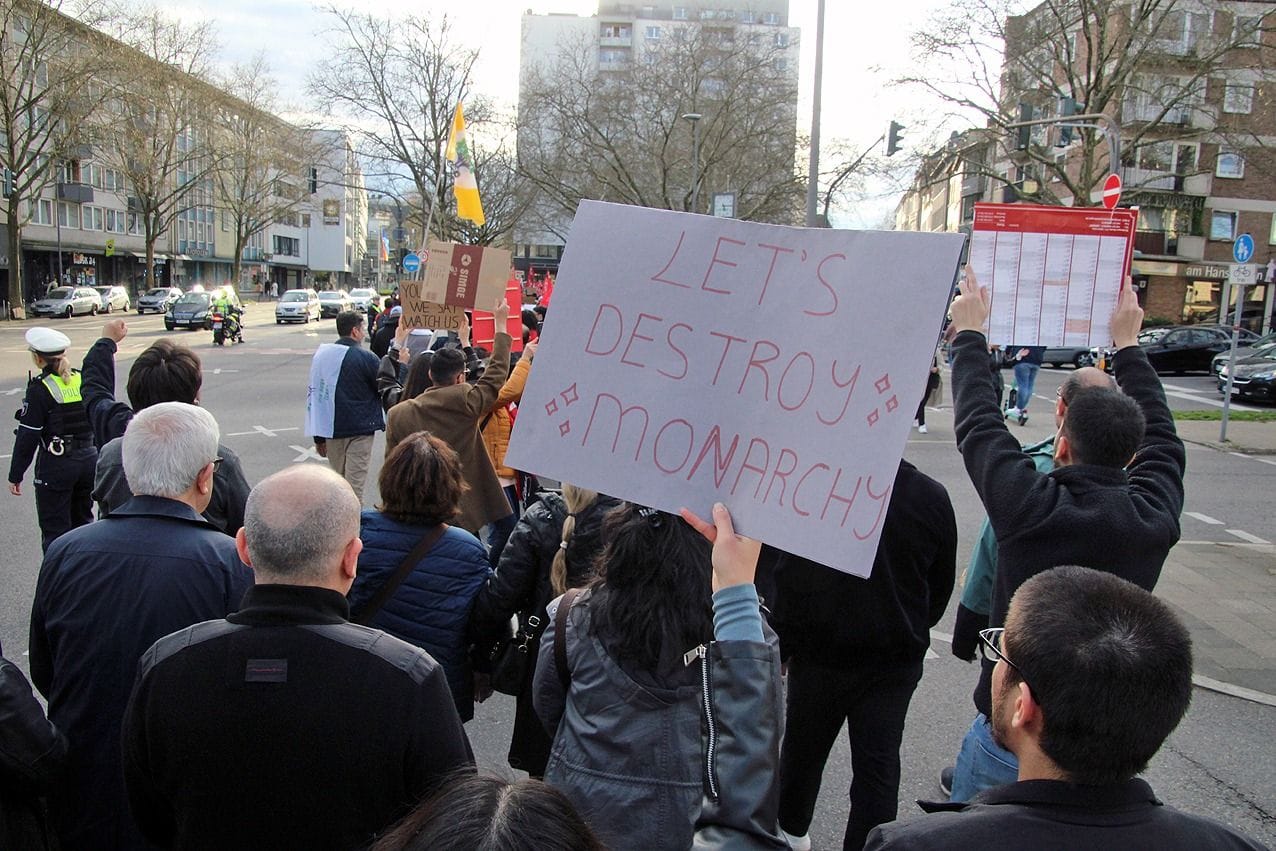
x: 32, y: 753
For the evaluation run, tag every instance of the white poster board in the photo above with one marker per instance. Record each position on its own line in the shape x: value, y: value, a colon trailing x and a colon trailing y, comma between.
x: 1053, y: 273
x: 690, y: 359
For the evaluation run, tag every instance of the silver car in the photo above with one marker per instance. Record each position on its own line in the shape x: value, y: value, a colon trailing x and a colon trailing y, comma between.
x: 113, y: 299
x: 68, y: 301
x: 158, y: 299
x: 301, y: 305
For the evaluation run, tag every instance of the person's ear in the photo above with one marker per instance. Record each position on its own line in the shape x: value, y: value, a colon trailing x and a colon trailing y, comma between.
x: 204, y: 481
x: 350, y: 558
x: 1027, y: 715
x: 1062, y: 450
x: 241, y: 547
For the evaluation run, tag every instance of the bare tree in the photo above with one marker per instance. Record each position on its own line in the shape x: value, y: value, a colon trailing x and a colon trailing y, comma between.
x: 159, y: 132
x: 47, y: 66
x: 262, y: 163
x: 614, y: 131
x: 398, y: 82
x: 1143, y: 63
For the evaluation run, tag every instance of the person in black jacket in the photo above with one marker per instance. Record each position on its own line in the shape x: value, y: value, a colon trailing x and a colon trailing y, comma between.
x: 551, y: 549
x: 1091, y: 674
x: 1092, y: 509
x: 32, y: 753
x: 855, y: 649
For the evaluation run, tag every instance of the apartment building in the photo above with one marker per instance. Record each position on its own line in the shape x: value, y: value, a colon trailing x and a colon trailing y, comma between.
x: 1196, y: 121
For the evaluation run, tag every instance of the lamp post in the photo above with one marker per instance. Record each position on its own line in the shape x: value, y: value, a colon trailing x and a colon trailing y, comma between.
x: 813, y: 180
x: 694, y: 118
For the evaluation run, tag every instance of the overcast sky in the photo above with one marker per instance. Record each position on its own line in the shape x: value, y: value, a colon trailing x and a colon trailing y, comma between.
x: 864, y: 45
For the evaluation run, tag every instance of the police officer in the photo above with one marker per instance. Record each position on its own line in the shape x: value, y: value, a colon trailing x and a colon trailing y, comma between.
x: 54, y: 421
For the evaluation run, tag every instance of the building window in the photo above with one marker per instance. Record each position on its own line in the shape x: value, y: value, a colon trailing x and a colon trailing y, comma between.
x: 1222, y: 225
x: 748, y: 16
x: 40, y: 211
x: 1238, y: 98
x: 305, y: 220
x: 771, y: 18
x: 68, y: 215
x: 653, y: 33
x: 1271, y: 235
x: 781, y: 39
x: 1231, y: 163
x: 1247, y: 31
x: 679, y: 13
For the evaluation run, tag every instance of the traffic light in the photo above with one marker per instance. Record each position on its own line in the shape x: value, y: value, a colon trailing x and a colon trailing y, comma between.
x: 1067, y: 107
x: 1024, y: 134
x: 892, y: 137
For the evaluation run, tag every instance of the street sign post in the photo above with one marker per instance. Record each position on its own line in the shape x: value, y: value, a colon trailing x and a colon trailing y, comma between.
x: 1243, y: 274
x: 1236, y: 332
x: 1112, y: 191
x: 411, y: 263
x: 1243, y: 248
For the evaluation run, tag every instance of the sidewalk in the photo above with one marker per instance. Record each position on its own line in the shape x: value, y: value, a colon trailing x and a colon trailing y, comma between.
x: 1248, y: 437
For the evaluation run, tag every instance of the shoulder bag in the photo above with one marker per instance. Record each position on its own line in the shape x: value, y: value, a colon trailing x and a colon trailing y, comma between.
x: 368, y: 610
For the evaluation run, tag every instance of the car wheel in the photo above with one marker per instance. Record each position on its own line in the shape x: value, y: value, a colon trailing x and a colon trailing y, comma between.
x: 1083, y: 359
x: 69, y: 313
x: 279, y: 322
x: 93, y: 310
x: 168, y: 327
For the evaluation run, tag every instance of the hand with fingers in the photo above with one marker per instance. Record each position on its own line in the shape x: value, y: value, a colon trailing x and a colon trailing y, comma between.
x: 735, y: 557
x: 970, y: 308
x: 1127, y: 319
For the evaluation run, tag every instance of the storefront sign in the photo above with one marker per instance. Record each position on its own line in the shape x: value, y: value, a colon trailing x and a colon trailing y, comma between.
x: 1211, y: 272
x: 83, y: 260
x: 332, y: 212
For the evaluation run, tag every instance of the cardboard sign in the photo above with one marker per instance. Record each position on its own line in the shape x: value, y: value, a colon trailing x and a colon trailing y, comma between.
x: 443, y: 317
x: 467, y: 276
x: 483, y: 332
x: 1053, y: 273
x: 419, y: 312
x: 692, y: 359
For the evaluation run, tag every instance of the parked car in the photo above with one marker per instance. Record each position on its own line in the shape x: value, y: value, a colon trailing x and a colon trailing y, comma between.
x: 361, y: 296
x: 68, y: 301
x: 1243, y: 350
x: 297, y: 306
x: 332, y: 302
x: 1255, y: 378
x: 191, y: 312
x: 1186, y: 348
x: 158, y: 300
x: 1056, y: 356
x: 113, y: 298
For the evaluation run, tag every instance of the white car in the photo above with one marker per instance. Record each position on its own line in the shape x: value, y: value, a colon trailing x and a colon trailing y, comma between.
x: 113, y: 299
x: 361, y: 297
x: 297, y: 306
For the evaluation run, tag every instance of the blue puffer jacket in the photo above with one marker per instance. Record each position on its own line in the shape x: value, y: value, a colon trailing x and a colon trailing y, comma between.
x: 432, y: 606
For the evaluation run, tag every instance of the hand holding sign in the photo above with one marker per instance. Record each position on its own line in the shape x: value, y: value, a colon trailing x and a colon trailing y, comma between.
x: 970, y: 308
x: 735, y: 557
x: 1127, y: 319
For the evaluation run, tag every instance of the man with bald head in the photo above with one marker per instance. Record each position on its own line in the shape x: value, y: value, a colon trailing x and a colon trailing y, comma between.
x: 285, y: 725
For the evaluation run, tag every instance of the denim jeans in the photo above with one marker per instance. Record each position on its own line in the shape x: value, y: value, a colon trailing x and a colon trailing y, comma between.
x: 982, y: 763
x: 1025, y: 380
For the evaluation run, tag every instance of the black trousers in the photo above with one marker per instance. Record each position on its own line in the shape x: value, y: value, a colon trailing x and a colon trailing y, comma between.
x: 873, y: 701
x: 63, y: 492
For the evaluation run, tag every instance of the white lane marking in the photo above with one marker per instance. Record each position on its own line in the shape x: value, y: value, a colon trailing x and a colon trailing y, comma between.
x: 269, y: 432
x: 1204, y: 518
x: 1253, y: 458
x: 306, y: 453
x: 14, y: 391
x: 219, y: 371
x: 1246, y: 536
x: 1192, y: 396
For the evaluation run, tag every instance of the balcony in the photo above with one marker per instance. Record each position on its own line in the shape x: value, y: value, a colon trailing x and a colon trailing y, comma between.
x: 973, y: 184
x: 1157, y: 243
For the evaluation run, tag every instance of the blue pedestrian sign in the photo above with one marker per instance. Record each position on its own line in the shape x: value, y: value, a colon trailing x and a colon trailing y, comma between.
x: 1243, y: 248
x: 412, y: 262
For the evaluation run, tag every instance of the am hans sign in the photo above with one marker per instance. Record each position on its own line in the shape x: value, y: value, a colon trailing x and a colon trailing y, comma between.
x: 689, y: 359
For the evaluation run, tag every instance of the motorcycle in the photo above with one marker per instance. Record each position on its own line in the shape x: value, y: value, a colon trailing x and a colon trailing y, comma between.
x: 227, y: 327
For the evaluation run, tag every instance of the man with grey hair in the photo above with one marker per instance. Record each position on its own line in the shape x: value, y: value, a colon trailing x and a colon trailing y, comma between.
x: 108, y: 590
x: 284, y: 725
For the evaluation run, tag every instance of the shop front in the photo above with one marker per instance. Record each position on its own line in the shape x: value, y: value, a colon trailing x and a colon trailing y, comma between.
x: 1190, y: 293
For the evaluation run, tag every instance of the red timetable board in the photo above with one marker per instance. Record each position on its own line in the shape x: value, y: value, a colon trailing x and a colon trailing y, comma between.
x: 1053, y: 273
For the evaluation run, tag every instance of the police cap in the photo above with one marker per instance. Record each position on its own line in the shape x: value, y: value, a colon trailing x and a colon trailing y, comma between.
x: 46, y: 341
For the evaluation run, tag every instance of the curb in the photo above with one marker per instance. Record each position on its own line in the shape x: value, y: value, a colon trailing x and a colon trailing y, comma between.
x: 1228, y: 447
x: 1198, y: 680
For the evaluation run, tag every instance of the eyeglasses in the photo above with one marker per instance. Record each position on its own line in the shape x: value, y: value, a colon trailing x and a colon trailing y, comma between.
x: 990, y: 648
x: 217, y: 464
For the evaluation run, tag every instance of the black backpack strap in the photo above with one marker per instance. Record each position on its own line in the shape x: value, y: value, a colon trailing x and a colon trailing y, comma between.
x: 366, y: 612
x: 560, y: 637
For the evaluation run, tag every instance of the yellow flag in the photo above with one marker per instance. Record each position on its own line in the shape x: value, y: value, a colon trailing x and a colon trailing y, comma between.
x: 468, y: 205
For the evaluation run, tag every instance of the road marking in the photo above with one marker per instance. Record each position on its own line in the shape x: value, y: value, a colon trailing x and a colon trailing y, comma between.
x: 1253, y: 457
x: 307, y: 453
x: 269, y: 432
x: 14, y: 391
x: 1246, y: 536
x: 1193, y: 396
x: 219, y: 371
x: 1204, y: 518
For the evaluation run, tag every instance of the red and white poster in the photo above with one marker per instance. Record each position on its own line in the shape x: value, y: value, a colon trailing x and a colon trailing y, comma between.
x: 1053, y: 273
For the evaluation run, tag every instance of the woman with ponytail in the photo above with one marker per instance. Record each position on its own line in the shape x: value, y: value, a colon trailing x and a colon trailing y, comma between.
x: 553, y: 547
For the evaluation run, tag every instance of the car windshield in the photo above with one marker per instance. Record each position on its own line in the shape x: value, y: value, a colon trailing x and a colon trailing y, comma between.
x: 330, y: 296
x: 362, y: 293
x: 103, y: 290
x: 193, y: 299
x: 60, y: 292
x: 159, y: 291
x: 1152, y: 335
x: 295, y: 295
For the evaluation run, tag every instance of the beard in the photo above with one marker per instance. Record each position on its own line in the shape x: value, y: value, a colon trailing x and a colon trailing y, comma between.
x: 1003, y: 709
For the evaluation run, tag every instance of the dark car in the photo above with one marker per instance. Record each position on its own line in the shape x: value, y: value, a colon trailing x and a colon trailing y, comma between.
x: 1255, y: 378
x: 1186, y: 348
x: 1056, y: 356
x: 1244, y: 350
x: 189, y: 312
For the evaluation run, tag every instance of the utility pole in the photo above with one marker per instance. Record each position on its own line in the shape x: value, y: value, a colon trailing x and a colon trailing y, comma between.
x: 813, y: 178
x: 694, y: 118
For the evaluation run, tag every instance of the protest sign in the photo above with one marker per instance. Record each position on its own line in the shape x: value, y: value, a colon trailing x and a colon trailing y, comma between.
x: 417, y: 311
x: 1053, y: 273
x: 483, y: 332
x: 691, y: 359
x: 468, y: 276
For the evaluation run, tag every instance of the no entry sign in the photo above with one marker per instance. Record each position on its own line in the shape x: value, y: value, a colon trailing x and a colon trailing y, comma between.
x: 1112, y: 191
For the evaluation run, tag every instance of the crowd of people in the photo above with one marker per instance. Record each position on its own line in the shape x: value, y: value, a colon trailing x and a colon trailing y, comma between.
x: 279, y: 667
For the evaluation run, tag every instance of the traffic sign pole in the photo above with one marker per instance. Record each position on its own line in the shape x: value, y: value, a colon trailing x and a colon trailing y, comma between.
x: 1231, y: 362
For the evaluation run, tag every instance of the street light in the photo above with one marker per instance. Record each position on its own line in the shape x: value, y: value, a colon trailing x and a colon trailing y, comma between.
x: 694, y: 118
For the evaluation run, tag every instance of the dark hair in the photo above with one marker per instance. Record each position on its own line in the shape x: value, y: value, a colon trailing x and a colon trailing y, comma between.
x: 1103, y: 426
x: 472, y: 813
x: 446, y: 366
x: 164, y: 372
x: 347, y: 321
x: 418, y: 379
x: 652, y: 590
x: 531, y: 319
x: 1109, y: 664
x: 420, y: 481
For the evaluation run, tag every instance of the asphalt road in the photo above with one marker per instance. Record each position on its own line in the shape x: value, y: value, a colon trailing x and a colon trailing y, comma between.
x: 1219, y: 763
